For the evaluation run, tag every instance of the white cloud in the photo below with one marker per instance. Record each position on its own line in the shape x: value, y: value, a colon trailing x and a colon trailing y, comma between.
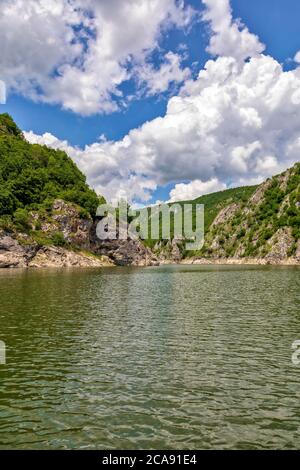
x: 229, y: 37
x: 77, y: 53
x: 297, y: 57
x: 159, y: 80
x: 232, y: 125
x: 2, y: 92
x: 194, y: 189
x: 237, y: 123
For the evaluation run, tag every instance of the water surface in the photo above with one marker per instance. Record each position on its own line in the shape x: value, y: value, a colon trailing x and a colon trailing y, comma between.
x: 167, y: 357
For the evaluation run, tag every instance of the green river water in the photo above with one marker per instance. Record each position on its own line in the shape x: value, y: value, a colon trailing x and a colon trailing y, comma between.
x: 173, y: 357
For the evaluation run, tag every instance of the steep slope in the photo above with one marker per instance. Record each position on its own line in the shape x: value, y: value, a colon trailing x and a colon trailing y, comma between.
x: 33, y: 176
x: 214, y: 203
x: 267, y: 226
x: 259, y: 224
x: 47, y: 211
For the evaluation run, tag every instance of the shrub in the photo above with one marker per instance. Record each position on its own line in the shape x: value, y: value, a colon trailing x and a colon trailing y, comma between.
x: 58, y: 239
x: 21, y: 219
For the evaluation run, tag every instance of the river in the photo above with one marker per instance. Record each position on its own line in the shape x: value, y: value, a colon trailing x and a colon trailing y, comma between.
x: 171, y: 357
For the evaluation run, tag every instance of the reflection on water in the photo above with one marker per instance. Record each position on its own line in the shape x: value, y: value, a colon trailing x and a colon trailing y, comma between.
x: 150, y: 358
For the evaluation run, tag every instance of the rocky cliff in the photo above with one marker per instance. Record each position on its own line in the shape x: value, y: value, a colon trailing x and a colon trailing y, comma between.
x: 263, y: 229
x: 63, y: 237
x: 47, y: 210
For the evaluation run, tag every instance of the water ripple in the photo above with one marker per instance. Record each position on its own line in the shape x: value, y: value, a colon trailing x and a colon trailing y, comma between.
x: 169, y: 357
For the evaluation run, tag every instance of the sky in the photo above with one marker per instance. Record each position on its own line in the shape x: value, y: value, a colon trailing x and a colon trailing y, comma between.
x: 156, y: 100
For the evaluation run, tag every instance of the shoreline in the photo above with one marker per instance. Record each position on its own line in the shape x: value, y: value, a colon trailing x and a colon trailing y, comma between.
x: 242, y: 261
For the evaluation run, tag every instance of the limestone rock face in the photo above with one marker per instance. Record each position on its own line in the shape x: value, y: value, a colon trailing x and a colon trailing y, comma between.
x: 12, y: 253
x: 280, y: 244
x: 21, y: 251
x: 76, y: 230
x: 168, y: 251
x: 123, y: 252
x: 298, y: 251
x: 56, y: 257
x: 225, y: 214
x: 258, y: 196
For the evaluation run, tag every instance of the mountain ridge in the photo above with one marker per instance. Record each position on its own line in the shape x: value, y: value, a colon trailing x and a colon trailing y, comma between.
x: 263, y: 226
x: 47, y: 213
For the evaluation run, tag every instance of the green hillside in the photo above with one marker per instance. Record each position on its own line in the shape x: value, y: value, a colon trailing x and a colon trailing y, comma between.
x: 252, y: 221
x: 269, y: 219
x: 33, y: 176
x: 216, y: 201
x: 213, y: 203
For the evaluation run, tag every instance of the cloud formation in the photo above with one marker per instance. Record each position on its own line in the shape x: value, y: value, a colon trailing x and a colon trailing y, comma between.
x: 77, y: 53
x: 229, y: 37
x: 231, y: 126
x: 194, y: 189
x: 235, y: 124
x: 159, y: 80
x: 297, y: 57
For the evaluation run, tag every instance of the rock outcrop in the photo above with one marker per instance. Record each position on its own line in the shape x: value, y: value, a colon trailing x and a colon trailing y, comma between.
x: 264, y: 229
x: 81, y: 246
x: 122, y: 252
x: 24, y: 253
x: 168, y: 251
x: 12, y: 254
x: 56, y: 257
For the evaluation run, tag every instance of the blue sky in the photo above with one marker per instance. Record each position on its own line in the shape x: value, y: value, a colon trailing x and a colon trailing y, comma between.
x: 275, y: 23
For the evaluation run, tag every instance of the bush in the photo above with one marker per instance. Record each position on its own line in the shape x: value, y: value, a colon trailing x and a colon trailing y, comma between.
x: 8, y: 202
x: 241, y: 233
x: 21, y: 219
x: 58, y: 239
x: 6, y: 223
x: 266, y: 234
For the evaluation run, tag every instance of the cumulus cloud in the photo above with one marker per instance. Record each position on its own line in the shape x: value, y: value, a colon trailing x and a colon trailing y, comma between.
x: 159, y: 80
x: 229, y: 37
x: 194, y: 189
x: 232, y: 125
x: 297, y: 57
x: 77, y: 53
x: 235, y: 124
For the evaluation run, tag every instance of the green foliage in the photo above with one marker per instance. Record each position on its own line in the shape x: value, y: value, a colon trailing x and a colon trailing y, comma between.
x: 213, y: 203
x: 21, y: 219
x: 266, y: 234
x: 292, y: 250
x: 8, y: 202
x: 241, y: 233
x: 6, y: 223
x: 58, y: 239
x: 8, y: 126
x: 32, y: 176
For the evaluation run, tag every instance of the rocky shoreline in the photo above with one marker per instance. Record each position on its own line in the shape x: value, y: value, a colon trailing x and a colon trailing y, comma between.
x: 16, y: 254
x: 81, y: 247
x: 242, y: 261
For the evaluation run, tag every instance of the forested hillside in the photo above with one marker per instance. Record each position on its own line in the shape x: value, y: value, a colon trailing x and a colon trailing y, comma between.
x: 249, y: 222
x: 33, y: 176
